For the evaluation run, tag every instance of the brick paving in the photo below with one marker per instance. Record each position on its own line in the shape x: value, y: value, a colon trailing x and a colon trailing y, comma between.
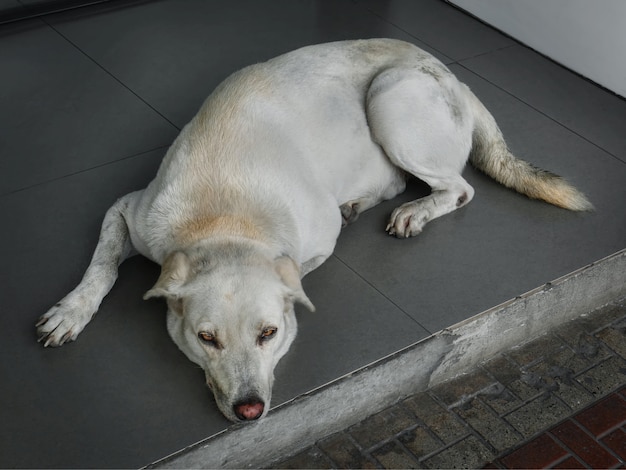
x: 558, y: 401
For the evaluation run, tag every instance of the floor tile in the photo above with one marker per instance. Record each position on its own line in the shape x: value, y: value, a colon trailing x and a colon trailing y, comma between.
x: 578, y: 104
x: 606, y: 376
x: 500, y: 399
x: 55, y: 229
x: 538, y: 453
x: 616, y: 441
x: 420, y: 442
x: 604, y: 416
x: 560, y: 382
x: 584, y: 446
x: 380, y: 426
x: 437, y: 418
x: 493, y: 429
x: 342, y: 450
x: 61, y: 113
x: 352, y: 321
x: 10, y: 10
x: 392, y: 455
x: 588, y: 348
x: 174, y: 57
x: 537, y: 415
x: 614, y: 337
x: 468, y: 453
x: 426, y: 20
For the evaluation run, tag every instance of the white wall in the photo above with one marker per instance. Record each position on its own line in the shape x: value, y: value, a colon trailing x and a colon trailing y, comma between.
x: 587, y: 36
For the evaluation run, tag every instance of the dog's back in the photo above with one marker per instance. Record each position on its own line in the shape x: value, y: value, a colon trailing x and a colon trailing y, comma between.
x: 269, y: 134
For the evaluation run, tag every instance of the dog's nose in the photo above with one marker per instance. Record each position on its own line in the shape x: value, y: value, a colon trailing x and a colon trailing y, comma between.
x: 249, y: 409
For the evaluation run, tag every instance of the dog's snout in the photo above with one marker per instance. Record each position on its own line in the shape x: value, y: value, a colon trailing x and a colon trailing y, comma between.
x: 249, y: 409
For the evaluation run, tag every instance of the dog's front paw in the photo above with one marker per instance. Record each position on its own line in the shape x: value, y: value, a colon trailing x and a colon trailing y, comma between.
x: 63, y: 322
x: 408, y: 220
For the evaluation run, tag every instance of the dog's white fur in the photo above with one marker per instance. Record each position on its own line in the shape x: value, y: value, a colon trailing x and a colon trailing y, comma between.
x: 253, y: 193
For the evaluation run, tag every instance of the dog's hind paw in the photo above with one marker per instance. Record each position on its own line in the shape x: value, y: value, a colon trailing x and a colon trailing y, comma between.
x: 61, y: 324
x: 408, y: 220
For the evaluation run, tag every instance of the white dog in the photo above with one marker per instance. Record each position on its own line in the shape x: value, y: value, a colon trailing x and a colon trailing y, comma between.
x: 254, y: 191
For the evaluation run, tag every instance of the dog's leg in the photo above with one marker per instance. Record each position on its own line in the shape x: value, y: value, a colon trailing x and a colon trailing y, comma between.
x: 409, y: 219
x: 423, y: 125
x: 64, y: 321
x: 350, y: 210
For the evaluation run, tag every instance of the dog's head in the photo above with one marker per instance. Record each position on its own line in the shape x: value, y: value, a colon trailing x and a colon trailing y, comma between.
x: 232, y: 313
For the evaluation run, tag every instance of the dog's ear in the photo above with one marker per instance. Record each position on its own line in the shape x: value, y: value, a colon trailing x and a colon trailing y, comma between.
x: 288, y: 271
x: 174, y: 273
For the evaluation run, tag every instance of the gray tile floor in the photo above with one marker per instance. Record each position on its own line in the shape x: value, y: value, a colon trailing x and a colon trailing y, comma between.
x: 89, y: 102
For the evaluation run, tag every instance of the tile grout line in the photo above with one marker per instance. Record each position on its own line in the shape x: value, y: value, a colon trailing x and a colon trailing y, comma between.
x: 362, y: 450
x: 404, y: 448
x: 469, y: 429
x: 597, y: 439
x: 30, y: 12
x: 377, y: 15
x: 381, y: 293
x: 109, y: 73
x: 481, y: 54
x: 569, y: 451
x: 454, y: 61
x: 396, y: 439
x: 543, y: 113
x: 519, y: 43
x: 85, y: 170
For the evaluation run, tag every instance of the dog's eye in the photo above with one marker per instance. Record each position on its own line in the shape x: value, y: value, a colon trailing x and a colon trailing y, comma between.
x: 268, y: 332
x: 208, y: 338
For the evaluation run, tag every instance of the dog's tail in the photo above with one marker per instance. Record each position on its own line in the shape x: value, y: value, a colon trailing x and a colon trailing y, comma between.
x: 491, y: 155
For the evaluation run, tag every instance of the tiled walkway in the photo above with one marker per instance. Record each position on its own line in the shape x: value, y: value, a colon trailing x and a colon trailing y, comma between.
x: 593, y: 438
x: 556, y: 402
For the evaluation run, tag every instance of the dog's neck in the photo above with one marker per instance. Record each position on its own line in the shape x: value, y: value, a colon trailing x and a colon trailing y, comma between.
x: 203, y: 232
x: 201, y: 228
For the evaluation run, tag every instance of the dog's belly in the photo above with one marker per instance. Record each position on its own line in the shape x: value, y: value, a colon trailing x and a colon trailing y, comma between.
x: 367, y: 174
x: 339, y: 163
